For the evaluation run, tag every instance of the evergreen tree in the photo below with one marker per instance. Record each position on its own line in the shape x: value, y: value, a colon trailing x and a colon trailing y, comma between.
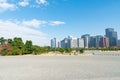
x: 28, y: 47
x: 2, y: 40
x: 10, y: 41
x: 18, y: 42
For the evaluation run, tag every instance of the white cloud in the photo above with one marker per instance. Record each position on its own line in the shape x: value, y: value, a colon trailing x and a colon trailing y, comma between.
x: 6, y: 6
x: 27, y: 29
x: 34, y: 23
x: 2, y: 1
x: 13, y: 5
x: 11, y: 29
x: 24, y: 3
x: 38, y: 23
x: 56, y: 23
x: 41, y: 1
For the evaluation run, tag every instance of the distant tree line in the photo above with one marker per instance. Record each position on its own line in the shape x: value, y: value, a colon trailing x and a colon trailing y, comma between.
x: 16, y: 46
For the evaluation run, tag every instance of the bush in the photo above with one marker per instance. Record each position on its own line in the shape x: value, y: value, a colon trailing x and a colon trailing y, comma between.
x: 68, y: 50
x: 61, y: 50
x: 81, y: 51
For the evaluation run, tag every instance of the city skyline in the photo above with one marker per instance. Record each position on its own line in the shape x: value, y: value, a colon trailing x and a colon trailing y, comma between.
x: 41, y: 20
x: 82, y: 35
x: 110, y: 39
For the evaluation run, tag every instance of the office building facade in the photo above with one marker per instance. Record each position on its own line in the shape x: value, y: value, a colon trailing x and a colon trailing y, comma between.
x: 73, y: 43
x: 54, y: 43
x: 86, y: 38
x: 80, y: 42
x: 64, y: 43
x: 112, y: 35
x: 104, y: 42
x: 92, y: 41
x: 118, y: 43
x: 97, y: 41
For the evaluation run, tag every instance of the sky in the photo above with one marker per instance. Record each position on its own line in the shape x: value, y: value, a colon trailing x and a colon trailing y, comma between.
x: 42, y: 20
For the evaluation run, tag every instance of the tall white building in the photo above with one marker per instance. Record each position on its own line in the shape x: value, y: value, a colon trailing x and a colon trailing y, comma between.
x: 54, y: 43
x: 86, y: 40
x: 73, y: 43
x: 80, y: 43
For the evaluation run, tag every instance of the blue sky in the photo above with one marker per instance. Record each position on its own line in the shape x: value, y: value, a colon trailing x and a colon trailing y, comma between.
x: 41, y: 20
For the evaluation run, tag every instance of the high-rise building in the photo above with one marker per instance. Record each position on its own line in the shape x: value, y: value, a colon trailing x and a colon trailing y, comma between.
x: 59, y: 44
x: 112, y: 35
x: 64, y: 43
x: 97, y: 41
x: 54, y: 43
x: 86, y: 40
x: 92, y: 41
x: 114, y: 39
x: 104, y: 42
x: 118, y: 43
x: 69, y: 42
x: 80, y: 42
x: 73, y: 43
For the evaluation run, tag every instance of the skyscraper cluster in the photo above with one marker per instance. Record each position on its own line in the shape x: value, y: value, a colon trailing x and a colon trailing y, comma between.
x: 86, y: 41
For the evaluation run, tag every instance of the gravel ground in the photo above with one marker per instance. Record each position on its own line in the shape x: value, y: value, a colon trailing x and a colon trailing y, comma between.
x: 60, y: 68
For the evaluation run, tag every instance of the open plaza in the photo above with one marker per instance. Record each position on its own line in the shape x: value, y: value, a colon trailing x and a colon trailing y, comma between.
x: 59, y: 67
